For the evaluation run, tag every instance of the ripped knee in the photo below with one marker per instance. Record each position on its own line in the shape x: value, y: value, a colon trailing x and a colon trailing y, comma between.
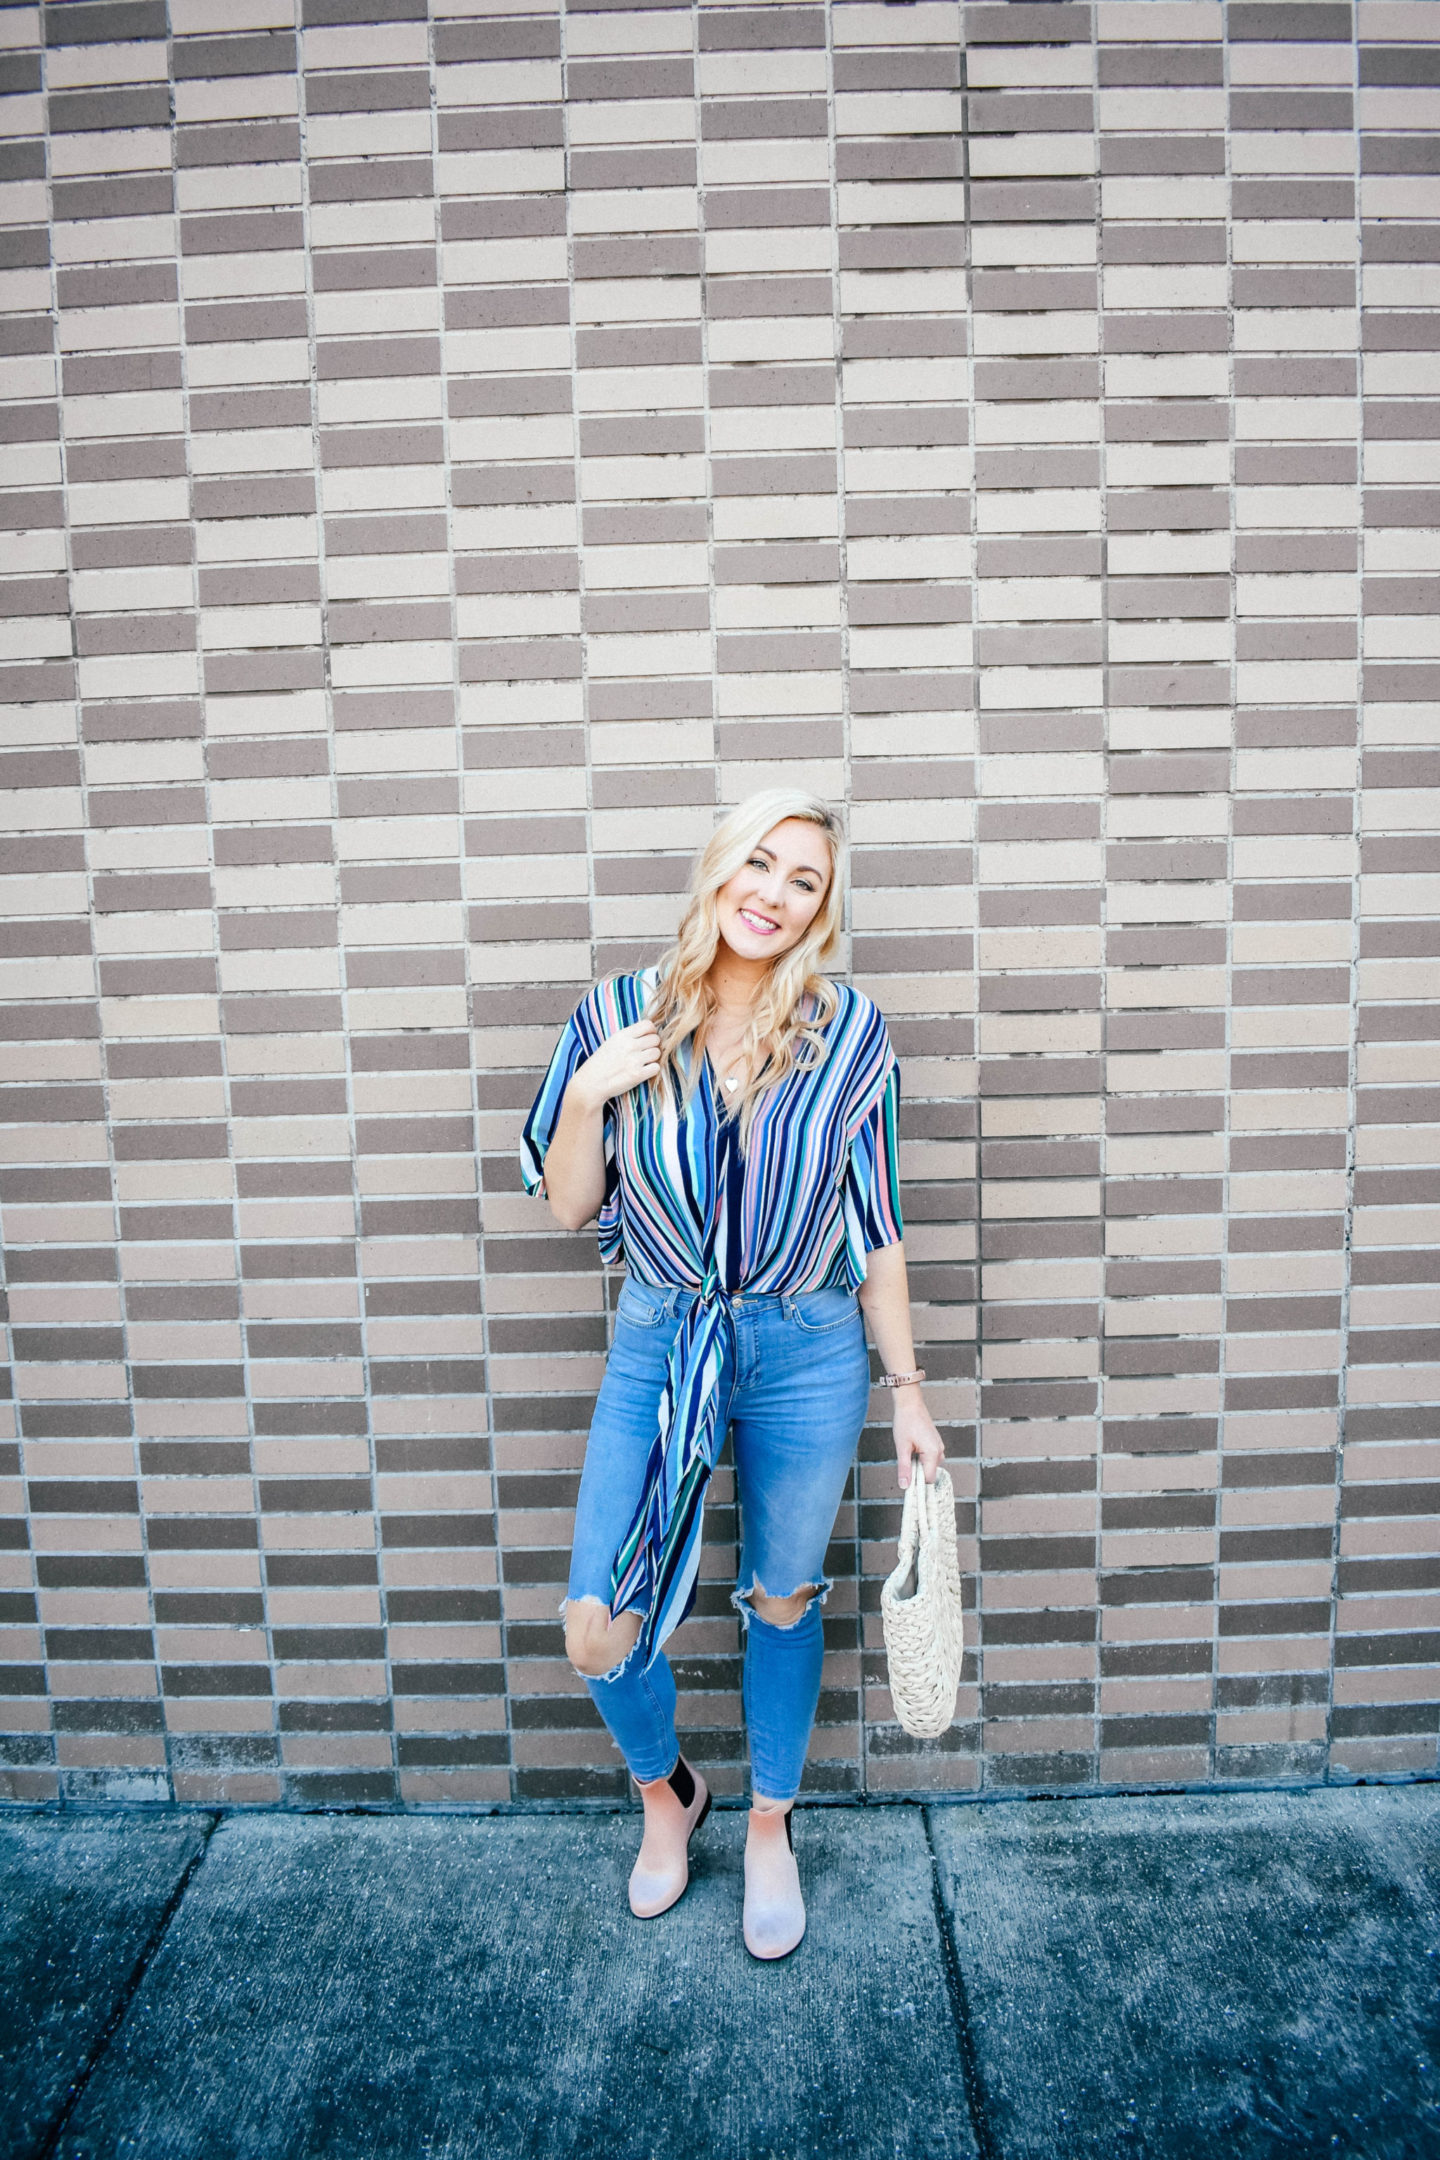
x: 596, y: 1645
x: 782, y: 1612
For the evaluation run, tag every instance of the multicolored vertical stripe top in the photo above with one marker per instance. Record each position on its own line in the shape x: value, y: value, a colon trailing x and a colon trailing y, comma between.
x: 815, y: 1189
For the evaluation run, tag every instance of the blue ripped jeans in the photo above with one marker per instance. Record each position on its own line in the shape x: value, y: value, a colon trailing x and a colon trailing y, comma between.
x: 795, y: 1396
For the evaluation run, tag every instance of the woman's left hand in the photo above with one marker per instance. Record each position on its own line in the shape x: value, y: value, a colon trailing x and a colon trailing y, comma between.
x: 916, y: 1436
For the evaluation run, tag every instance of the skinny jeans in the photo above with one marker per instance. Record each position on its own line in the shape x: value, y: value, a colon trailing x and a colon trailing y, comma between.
x: 794, y: 1393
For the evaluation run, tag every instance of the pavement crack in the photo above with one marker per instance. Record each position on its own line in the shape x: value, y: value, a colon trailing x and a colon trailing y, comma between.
x: 50, y: 2144
x: 985, y: 2144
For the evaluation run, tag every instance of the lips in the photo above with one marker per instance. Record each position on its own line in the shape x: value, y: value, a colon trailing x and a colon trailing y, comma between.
x: 760, y: 924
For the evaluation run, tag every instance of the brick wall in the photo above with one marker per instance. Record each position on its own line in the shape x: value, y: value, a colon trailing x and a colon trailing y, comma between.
x: 446, y: 459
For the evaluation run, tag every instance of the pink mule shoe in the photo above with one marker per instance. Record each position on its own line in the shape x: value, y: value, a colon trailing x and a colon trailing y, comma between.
x: 675, y: 1807
x: 774, y: 1907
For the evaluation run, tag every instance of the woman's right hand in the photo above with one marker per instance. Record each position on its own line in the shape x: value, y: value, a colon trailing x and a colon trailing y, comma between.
x: 623, y: 1061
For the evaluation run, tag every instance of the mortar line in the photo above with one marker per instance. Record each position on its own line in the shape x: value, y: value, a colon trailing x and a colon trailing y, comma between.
x: 103, y: 1045
x: 972, y: 504
x: 908, y: 1796
x: 473, y: 986
x: 1357, y: 926
x: 235, y: 1241
x: 100, y: 2047
x: 959, y: 2000
x: 1102, y: 520
x: 18, y: 1403
x: 855, y: 1483
x: 726, y: 1468
x: 357, y: 1239
x: 1227, y: 1021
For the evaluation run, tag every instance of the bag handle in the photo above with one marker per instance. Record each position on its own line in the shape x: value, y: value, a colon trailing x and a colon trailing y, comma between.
x: 917, y: 1520
x: 909, y: 1529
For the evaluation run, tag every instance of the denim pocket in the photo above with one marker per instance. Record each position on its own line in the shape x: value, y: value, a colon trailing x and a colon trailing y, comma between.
x: 822, y: 1312
x: 642, y: 1304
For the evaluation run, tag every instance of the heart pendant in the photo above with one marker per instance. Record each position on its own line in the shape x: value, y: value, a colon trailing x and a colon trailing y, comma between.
x: 731, y: 1081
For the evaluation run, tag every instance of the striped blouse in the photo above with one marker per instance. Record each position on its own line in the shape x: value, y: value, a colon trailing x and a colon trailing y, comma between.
x: 815, y: 1189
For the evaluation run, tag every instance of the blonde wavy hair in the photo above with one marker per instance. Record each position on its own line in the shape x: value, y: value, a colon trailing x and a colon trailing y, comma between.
x: 796, y: 1001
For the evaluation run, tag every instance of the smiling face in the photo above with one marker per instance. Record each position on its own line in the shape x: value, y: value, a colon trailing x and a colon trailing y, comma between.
x: 773, y: 898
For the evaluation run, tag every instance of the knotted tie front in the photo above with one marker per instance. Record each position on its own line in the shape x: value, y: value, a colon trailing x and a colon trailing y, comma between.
x: 655, y: 1568
x: 659, y: 1557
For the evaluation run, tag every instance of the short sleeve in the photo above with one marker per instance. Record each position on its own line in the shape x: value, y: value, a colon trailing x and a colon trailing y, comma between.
x: 872, y: 1177
x: 580, y: 1038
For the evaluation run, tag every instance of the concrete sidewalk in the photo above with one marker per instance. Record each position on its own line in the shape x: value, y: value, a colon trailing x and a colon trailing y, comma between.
x: 1252, y: 1974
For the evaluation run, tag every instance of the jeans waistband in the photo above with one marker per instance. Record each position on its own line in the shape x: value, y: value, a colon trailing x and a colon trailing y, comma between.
x: 674, y: 1297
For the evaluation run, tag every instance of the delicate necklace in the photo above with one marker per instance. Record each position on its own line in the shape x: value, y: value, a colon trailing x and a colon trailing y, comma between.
x: 731, y: 1080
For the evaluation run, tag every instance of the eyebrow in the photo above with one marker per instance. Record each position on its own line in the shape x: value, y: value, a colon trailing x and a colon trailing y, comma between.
x: 803, y: 869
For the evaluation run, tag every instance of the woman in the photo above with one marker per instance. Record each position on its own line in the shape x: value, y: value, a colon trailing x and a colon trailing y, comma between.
x: 730, y: 1118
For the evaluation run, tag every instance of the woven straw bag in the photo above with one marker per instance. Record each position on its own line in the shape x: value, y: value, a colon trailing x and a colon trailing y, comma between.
x: 921, y: 1609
